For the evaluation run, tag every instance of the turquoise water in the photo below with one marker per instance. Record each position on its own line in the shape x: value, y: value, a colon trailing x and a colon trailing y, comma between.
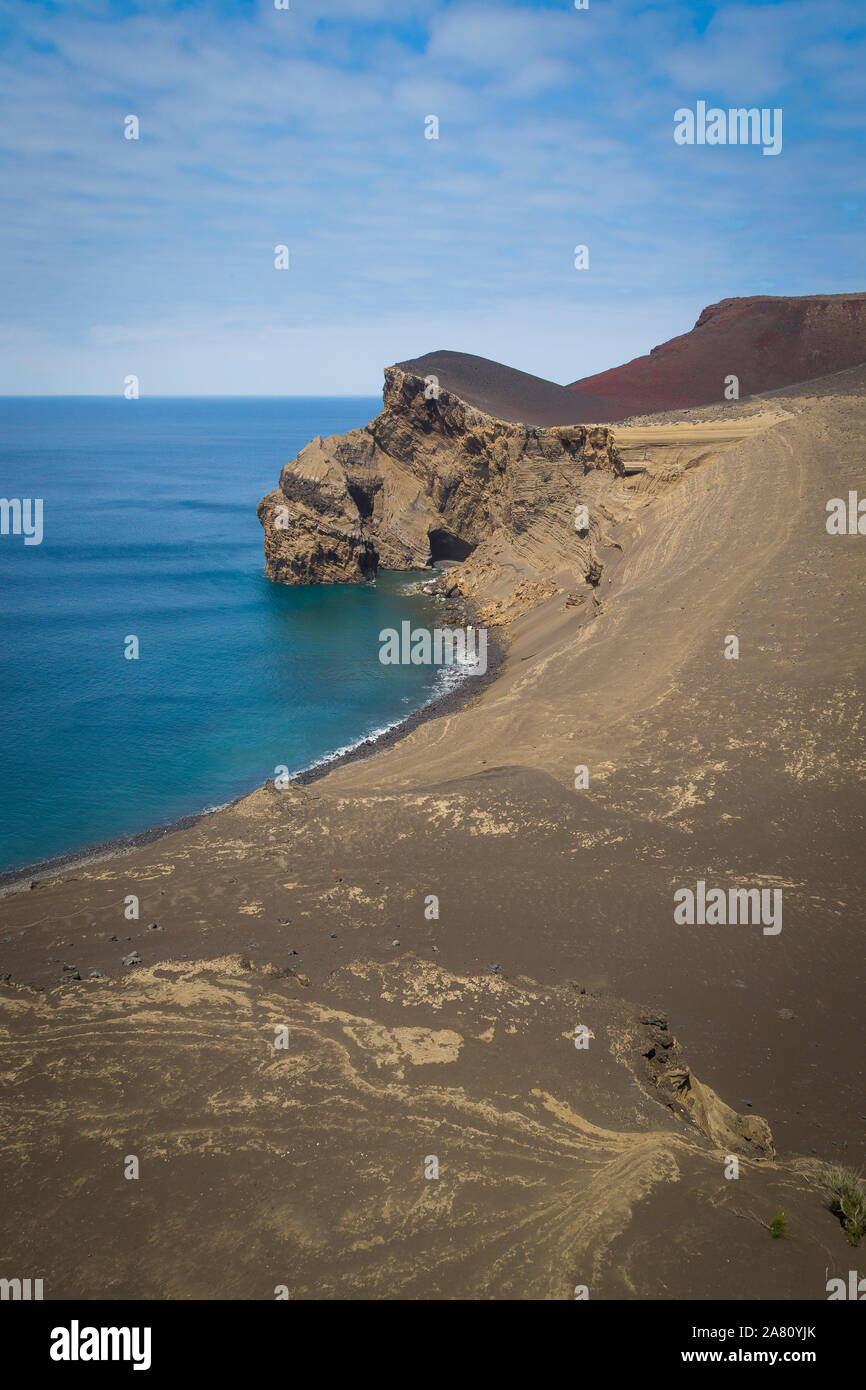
x: 150, y: 530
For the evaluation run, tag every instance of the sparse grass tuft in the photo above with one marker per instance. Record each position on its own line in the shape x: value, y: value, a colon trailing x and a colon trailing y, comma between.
x: 779, y: 1226
x: 847, y: 1201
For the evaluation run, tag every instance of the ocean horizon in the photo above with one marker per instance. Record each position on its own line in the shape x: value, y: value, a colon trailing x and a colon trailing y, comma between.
x: 150, y: 531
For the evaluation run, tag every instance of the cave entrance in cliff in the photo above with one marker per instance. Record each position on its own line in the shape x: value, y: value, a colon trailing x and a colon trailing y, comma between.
x: 362, y: 497
x: 445, y: 546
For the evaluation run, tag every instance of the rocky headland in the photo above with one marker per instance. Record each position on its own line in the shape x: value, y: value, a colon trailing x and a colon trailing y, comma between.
x: 434, y: 479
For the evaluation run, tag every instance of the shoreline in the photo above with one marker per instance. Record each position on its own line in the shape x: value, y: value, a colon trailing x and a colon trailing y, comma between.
x: 447, y: 702
x: 438, y: 928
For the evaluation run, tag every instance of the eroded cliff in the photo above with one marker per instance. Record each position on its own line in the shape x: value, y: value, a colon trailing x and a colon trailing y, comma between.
x: 432, y: 479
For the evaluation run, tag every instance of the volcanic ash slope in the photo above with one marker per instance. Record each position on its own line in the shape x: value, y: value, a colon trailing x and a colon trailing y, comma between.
x: 413, y: 1038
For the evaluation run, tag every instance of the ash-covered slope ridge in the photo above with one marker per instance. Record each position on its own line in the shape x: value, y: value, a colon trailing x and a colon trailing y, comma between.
x: 765, y: 341
x: 432, y: 478
x: 507, y: 393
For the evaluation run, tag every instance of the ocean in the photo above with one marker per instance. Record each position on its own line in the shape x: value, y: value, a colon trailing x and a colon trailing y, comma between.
x: 150, y: 532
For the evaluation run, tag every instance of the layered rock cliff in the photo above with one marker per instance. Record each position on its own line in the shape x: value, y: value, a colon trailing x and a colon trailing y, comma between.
x: 432, y: 479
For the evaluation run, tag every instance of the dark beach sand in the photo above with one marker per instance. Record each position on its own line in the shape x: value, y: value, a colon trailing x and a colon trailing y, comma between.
x: 558, y: 1166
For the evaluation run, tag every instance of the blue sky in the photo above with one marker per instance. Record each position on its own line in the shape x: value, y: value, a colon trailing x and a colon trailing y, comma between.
x: 305, y: 127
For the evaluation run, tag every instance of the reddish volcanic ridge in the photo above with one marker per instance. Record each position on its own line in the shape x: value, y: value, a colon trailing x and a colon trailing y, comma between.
x: 764, y: 341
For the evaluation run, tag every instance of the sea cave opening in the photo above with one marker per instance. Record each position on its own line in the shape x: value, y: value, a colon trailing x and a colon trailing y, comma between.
x: 444, y: 545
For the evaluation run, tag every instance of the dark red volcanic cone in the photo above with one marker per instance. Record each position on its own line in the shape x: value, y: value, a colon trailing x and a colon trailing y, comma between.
x: 766, y: 342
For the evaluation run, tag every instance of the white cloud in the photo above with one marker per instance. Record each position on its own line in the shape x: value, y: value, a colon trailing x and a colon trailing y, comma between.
x: 307, y: 129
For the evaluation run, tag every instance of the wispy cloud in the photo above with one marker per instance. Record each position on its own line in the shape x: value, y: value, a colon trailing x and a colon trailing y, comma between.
x: 306, y: 127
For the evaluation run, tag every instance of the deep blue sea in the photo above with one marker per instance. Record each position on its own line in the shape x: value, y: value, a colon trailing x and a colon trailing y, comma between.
x: 150, y: 531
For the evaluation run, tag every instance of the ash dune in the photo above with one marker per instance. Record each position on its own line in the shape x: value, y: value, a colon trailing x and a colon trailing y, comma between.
x: 454, y: 1036
x: 310, y: 1167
